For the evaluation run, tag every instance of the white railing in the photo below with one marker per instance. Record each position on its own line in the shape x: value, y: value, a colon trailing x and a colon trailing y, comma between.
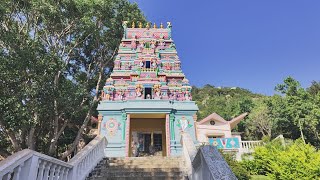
x: 31, y: 165
x: 250, y: 144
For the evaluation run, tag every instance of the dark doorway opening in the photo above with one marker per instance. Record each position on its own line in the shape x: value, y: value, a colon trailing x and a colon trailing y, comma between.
x: 148, y: 64
x: 157, y: 141
x: 146, y: 144
x: 147, y: 93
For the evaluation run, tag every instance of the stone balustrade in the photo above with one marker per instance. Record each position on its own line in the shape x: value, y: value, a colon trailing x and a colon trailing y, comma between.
x: 31, y: 165
x: 248, y: 146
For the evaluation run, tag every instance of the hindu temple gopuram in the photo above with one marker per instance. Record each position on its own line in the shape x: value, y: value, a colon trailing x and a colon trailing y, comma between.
x: 147, y: 99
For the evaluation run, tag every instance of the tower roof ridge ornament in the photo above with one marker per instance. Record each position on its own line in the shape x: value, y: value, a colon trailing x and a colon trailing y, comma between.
x: 169, y: 25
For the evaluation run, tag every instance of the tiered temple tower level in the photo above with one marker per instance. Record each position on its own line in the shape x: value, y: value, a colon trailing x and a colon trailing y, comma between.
x: 147, y: 93
x: 147, y: 67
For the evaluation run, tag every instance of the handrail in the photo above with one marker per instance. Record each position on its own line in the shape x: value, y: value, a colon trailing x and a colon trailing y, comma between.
x: 209, y: 164
x: 31, y: 165
x: 189, y: 151
x: 15, y: 160
x: 84, y: 165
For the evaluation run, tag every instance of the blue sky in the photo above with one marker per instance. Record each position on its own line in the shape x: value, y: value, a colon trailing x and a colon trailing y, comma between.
x: 253, y: 44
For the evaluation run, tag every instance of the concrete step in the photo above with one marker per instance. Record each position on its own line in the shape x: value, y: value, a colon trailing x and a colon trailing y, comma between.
x: 139, y: 178
x: 140, y: 168
x: 118, y: 169
x: 144, y: 165
x: 140, y: 174
x: 143, y: 160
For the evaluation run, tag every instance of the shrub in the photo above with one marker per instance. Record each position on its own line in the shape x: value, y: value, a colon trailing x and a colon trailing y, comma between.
x: 296, y: 161
x: 240, y: 172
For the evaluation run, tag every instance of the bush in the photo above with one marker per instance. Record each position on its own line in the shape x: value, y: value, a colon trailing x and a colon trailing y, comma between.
x: 296, y: 161
x: 240, y: 172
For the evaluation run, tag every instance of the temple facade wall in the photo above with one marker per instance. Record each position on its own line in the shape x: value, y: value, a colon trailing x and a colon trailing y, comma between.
x: 171, y: 118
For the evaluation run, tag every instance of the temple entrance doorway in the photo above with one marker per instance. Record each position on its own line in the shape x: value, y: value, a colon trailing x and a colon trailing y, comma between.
x: 147, y: 135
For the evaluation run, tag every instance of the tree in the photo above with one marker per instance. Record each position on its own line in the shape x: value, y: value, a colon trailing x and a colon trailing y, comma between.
x: 259, y: 122
x: 297, y: 112
x: 54, y: 59
x: 314, y: 89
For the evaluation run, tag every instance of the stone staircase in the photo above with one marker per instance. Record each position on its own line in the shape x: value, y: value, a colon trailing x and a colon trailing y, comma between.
x: 142, y: 168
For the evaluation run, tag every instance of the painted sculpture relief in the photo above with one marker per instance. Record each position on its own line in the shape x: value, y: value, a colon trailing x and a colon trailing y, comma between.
x: 112, y: 126
x: 183, y: 124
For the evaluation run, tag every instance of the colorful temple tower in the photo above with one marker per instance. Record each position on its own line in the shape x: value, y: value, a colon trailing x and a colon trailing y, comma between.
x: 147, y: 101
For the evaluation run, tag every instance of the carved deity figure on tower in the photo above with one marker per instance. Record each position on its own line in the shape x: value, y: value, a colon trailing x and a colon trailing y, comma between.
x: 141, y: 64
x: 107, y: 96
x: 167, y: 66
x: 139, y: 91
x: 141, y: 46
x: 121, y: 95
x: 133, y: 44
x: 187, y: 96
x: 157, y: 93
x: 161, y: 45
x: 154, y: 64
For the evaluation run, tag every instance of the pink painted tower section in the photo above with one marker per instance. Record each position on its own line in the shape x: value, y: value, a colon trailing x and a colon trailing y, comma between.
x: 147, y: 67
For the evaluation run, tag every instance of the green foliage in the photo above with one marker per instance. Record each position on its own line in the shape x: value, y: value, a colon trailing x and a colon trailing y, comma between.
x: 236, y: 167
x: 314, y: 89
x: 54, y: 56
x: 227, y: 102
x: 295, y: 161
x: 296, y: 113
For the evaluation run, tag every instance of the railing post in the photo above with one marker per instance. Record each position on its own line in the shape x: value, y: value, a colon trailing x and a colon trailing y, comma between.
x: 17, y: 172
x: 32, y: 171
x: 73, y: 173
x: 57, y: 174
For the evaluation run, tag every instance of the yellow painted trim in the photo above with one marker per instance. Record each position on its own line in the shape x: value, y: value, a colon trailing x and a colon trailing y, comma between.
x: 143, y: 116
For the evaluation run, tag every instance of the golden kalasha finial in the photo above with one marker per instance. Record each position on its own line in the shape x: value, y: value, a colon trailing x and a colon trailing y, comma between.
x: 148, y: 25
x: 161, y: 25
x: 140, y: 25
x: 133, y: 24
x: 154, y: 25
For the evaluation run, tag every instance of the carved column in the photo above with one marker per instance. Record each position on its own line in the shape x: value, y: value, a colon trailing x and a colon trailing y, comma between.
x: 100, y: 117
x: 127, y: 135
x: 168, y: 134
x: 195, y: 118
x: 172, y: 137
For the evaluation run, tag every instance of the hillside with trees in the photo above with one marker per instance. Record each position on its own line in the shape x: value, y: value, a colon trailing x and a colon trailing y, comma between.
x: 293, y: 111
